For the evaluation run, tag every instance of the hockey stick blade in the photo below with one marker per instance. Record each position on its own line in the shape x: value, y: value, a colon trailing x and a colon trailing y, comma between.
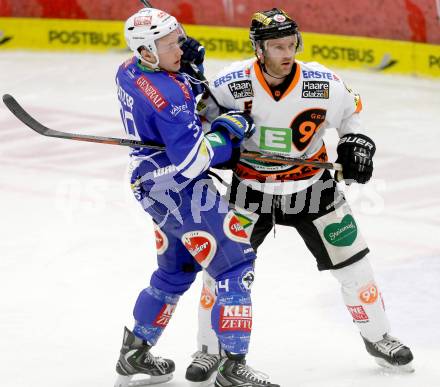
x: 16, y: 109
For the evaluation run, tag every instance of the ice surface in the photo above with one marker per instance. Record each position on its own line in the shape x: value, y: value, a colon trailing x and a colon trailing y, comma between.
x: 76, y: 249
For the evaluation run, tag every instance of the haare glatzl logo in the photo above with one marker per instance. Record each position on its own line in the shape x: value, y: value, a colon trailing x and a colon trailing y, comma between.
x: 4, y: 39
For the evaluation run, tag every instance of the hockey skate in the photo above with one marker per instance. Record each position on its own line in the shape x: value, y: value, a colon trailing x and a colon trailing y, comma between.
x: 233, y: 371
x: 203, y: 369
x: 391, y: 353
x: 136, y: 360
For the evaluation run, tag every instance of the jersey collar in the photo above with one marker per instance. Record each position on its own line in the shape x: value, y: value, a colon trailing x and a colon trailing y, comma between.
x: 265, y: 86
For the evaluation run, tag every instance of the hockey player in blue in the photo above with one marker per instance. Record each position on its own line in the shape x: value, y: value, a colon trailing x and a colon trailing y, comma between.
x: 194, y: 227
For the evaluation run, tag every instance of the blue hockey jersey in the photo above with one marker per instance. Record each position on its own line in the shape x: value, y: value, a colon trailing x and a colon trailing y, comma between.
x: 159, y: 107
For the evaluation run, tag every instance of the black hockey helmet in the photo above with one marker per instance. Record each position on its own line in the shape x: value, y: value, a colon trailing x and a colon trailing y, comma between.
x: 273, y: 24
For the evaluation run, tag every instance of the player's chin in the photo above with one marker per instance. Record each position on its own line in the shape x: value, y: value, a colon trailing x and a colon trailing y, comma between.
x: 286, y: 67
x: 173, y: 67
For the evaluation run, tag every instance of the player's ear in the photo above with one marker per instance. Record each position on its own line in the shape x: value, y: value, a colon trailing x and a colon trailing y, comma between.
x: 146, y: 55
x: 259, y: 52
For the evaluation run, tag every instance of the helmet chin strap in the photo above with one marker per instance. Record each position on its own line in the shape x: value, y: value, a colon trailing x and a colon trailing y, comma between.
x: 153, y: 66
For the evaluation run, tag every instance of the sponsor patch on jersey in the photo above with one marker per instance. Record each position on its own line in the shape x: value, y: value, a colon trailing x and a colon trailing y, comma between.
x: 343, y: 233
x: 235, y: 318
x: 201, y: 245
x: 316, y: 89
x: 207, y: 299
x: 177, y: 109
x: 241, y: 89
x: 229, y: 77
x: 161, y: 240
x: 151, y: 92
x: 368, y: 294
x: 307, y: 74
x: 234, y: 229
x: 358, y: 313
x: 164, y: 316
x: 182, y: 86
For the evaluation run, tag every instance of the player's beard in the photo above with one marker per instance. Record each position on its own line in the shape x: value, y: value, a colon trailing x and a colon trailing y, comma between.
x: 279, y: 67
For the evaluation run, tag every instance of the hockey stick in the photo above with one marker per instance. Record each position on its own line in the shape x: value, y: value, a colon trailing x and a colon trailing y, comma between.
x: 18, y: 111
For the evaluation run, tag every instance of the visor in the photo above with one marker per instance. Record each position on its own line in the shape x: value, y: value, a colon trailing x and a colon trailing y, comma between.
x: 179, y: 37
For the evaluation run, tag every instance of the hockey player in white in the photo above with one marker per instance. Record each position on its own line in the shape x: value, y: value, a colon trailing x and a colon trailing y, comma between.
x: 292, y: 104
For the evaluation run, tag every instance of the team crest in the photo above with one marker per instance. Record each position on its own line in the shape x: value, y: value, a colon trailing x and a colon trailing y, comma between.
x: 234, y: 229
x: 247, y: 279
x: 161, y: 240
x: 201, y: 245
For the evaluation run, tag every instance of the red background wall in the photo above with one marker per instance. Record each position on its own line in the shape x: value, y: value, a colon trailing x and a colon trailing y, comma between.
x: 414, y: 20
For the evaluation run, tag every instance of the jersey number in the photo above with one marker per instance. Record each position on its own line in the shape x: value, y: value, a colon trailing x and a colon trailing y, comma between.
x: 305, y: 125
x: 129, y: 124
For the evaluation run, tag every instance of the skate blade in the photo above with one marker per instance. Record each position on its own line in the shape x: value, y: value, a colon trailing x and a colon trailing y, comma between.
x: 205, y: 383
x: 126, y: 381
x: 407, y: 368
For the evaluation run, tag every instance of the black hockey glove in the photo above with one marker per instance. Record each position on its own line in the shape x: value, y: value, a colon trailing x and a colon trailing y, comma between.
x: 355, y: 153
x: 238, y: 123
x: 193, y: 52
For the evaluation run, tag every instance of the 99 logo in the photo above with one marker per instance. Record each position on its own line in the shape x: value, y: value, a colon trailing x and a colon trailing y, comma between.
x: 305, y: 125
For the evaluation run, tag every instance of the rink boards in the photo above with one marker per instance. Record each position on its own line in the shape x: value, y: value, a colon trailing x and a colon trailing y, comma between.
x: 389, y: 56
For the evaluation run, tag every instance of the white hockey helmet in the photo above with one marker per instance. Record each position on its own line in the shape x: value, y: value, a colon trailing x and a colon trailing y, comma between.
x: 146, y: 26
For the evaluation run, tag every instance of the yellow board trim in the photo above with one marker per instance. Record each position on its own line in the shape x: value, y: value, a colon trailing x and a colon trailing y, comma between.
x: 389, y: 56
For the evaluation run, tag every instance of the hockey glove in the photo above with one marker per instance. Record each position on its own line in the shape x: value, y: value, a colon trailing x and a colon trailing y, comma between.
x: 193, y: 52
x: 239, y: 124
x: 355, y: 153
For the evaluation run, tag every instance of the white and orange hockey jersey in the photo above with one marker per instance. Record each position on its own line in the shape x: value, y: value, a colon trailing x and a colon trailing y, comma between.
x: 316, y: 100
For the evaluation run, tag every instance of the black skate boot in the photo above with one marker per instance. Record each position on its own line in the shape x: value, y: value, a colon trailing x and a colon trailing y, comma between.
x: 203, y: 369
x: 233, y: 371
x: 136, y: 359
x: 391, y: 353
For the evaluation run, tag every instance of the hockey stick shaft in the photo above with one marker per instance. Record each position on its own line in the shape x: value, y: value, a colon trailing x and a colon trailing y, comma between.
x: 18, y: 111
